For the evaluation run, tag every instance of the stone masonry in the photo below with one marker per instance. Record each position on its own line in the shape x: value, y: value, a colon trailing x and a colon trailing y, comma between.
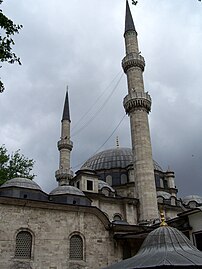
x: 137, y: 105
x: 51, y: 227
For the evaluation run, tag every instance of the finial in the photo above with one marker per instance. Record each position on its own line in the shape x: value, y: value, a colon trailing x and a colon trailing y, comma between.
x: 163, y: 220
x: 67, y: 87
x: 129, y: 24
x: 117, y: 142
x: 66, y: 114
x: 168, y: 170
x: 134, y: 2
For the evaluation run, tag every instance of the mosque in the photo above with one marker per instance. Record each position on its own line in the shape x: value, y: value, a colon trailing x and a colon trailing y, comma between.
x: 102, y: 213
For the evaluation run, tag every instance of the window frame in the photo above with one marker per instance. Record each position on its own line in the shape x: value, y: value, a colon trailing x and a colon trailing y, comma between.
x: 24, y: 230
x: 118, y: 216
x: 194, y: 238
x: 83, y: 247
x: 89, y: 183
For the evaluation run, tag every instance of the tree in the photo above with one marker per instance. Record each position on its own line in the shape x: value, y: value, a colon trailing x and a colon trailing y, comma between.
x: 14, y: 165
x: 8, y: 29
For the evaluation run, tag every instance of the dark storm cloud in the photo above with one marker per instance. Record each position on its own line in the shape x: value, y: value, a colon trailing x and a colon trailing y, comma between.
x: 80, y: 43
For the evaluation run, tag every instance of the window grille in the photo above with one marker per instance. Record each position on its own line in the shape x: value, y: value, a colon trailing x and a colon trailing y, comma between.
x: 23, y: 245
x: 76, y: 248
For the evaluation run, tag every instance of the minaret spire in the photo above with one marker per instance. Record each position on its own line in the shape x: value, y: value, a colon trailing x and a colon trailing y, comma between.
x: 137, y: 105
x: 129, y: 24
x: 66, y: 114
x: 65, y: 145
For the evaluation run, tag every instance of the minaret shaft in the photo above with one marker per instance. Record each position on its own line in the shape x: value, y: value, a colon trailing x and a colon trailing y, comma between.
x: 65, y: 151
x: 131, y: 43
x: 135, y: 80
x: 137, y: 105
x: 143, y: 165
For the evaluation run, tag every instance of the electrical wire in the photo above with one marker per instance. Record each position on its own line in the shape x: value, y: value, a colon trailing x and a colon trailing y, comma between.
x: 105, y: 140
x: 110, y: 135
x: 102, y: 93
x: 99, y: 110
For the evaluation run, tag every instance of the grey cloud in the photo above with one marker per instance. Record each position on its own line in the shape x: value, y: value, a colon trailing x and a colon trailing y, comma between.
x: 80, y: 43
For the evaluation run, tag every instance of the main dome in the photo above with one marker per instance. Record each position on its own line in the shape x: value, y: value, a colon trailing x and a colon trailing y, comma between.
x: 113, y: 158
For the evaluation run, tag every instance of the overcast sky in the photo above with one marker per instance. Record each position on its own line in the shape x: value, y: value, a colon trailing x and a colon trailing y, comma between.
x: 80, y: 44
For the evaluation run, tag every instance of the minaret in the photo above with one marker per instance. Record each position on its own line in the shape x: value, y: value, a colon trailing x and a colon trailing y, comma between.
x: 137, y: 105
x: 65, y: 145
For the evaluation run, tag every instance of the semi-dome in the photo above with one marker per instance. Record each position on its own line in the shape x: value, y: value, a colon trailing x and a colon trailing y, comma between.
x: 102, y: 184
x: 21, y: 183
x: 192, y: 198
x: 164, y: 194
x: 113, y: 158
x: 67, y: 189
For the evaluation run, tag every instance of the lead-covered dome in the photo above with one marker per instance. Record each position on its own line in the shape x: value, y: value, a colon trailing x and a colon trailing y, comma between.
x: 67, y: 189
x: 21, y: 182
x: 192, y: 198
x: 102, y: 184
x: 165, y: 247
x: 163, y: 194
x: 113, y: 158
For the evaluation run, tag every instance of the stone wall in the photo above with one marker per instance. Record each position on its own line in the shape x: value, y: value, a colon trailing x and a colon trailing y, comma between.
x: 51, y: 227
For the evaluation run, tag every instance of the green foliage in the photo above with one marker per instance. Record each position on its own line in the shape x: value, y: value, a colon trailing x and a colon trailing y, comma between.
x: 8, y: 29
x: 14, y: 165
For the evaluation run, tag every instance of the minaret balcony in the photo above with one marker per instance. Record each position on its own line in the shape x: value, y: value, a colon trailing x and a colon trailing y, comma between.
x: 65, y: 144
x: 133, y: 60
x: 64, y: 174
x: 137, y: 101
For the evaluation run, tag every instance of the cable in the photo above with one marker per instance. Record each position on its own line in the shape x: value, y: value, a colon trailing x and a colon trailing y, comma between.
x: 99, y: 110
x: 86, y: 113
x: 110, y: 135
x: 104, y: 142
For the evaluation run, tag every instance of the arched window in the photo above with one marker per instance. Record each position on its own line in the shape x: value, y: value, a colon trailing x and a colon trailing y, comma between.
x: 23, y: 246
x: 117, y: 217
x: 161, y: 183
x: 123, y: 179
x: 109, y: 180
x: 76, y: 248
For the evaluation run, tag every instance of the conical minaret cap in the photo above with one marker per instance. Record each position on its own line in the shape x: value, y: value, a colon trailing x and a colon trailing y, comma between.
x: 129, y: 24
x: 66, y: 114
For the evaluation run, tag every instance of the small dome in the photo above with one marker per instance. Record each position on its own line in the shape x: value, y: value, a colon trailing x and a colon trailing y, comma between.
x: 67, y: 189
x: 102, y: 184
x: 164, y: 247
x: 192, y: 198
x: 21, y: 183
x: 174, y: 246
x: 164, y: 194
x: 113, y: 158
x: 86, y: 168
